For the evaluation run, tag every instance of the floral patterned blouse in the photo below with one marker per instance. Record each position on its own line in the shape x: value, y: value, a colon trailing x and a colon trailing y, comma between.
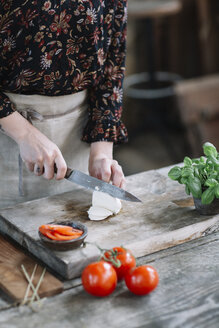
x: 61, y: 47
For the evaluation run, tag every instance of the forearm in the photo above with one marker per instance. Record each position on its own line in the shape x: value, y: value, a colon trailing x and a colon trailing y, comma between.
x: 15, y: 126
x: 101, y: 148
x: 36, y: 150
x: 103, y: 166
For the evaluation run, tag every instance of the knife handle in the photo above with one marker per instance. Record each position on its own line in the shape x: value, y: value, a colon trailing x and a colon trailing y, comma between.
x: 67, y: 174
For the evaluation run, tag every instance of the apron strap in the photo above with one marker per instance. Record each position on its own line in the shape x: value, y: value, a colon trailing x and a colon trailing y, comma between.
x: 29, y: 114
x: 20, y: 183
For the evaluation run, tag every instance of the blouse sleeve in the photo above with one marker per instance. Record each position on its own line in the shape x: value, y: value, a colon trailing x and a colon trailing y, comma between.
x: 105, y: 99
x: 6, y: 106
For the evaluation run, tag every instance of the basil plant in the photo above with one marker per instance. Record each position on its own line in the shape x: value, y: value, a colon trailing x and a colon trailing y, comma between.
x: 201, y: 175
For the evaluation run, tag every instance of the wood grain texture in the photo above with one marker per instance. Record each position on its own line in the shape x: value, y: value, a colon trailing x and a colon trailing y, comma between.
x: 153, y: 9
x: 208, y: 37
x: 187, y: 296
x: 155, y: 224
x: 198, y: 103
x: 12, y: 280
x: 198, y: 98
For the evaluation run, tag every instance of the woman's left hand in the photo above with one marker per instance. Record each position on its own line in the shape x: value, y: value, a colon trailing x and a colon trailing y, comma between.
x: 103, y: 166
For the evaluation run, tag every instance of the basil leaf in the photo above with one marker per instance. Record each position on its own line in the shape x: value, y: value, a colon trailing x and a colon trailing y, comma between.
x: 187, y: 171
x: 211, y: 183
x: 175, y: 173
x: 208, y: 196
x: 196, y: 172
x: 187, y: 190
x: 216, y: 191
x: 183, y: 180
x: 187, y: 161
x: 202, y: 159
x: 209, y: 149
x: 195, y: 161
x: 194, y: 185
x: 213, y: 175
x: 214, y: 160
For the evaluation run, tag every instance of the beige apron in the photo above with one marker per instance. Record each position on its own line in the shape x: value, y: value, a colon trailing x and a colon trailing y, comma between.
x: 61, y: 119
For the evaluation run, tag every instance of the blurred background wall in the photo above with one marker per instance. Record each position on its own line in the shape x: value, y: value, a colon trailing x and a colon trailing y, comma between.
x: 186, y: 42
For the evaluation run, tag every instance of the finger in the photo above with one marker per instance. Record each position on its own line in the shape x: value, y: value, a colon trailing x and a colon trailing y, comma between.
x: 61, y: 167
x: 95, y: 172
x: 105, y: 173
x: 38, y: 169
x: 117, y: 174
x: 123, y: 184
x: 29, y: 166
x: 48, y: 170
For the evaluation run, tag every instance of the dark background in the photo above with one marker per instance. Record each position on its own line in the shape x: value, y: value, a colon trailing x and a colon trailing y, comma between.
x: 187, y: 44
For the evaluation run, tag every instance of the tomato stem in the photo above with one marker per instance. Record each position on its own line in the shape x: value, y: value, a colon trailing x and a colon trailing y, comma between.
x: 112, y: 254
x: 113, y: 260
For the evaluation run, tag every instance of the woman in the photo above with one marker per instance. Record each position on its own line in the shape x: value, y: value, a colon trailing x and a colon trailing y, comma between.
x: 61, y: 74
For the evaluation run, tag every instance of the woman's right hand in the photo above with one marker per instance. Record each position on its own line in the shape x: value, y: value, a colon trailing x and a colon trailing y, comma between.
x: 39, y: 154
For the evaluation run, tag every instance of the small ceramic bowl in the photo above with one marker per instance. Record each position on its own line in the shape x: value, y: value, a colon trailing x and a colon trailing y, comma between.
x: 65, y: 245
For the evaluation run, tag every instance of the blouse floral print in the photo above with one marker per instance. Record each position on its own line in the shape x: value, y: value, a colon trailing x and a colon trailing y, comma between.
x: 61, y: 47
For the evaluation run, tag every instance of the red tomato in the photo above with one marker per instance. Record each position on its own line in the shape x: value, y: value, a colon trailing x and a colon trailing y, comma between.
x: 99, y: 278
x: 127, y: 260
x: 142, y: 280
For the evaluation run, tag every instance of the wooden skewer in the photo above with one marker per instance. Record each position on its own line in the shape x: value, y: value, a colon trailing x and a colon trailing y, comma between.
x: 29, y: 281
x: 28, y: 287
x: 35, y: 293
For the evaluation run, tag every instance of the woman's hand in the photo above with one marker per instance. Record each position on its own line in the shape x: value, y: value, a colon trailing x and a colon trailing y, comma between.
x: 102, y: 165
x: 37, y: 151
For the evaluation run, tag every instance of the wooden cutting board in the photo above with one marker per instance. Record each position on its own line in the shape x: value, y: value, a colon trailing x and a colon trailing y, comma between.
x: 12, y: 279
x: 164, y: 218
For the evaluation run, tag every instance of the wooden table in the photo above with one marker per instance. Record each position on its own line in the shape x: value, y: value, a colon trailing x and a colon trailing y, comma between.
x: 187, y: 295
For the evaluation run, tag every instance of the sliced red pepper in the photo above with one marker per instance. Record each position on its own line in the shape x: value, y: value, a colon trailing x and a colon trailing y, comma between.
x: 62, y: 237
x: 50, y: 235
x: 61, y: 229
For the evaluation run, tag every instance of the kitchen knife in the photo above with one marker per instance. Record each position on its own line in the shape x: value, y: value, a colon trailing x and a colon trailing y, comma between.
x: 92, y: 183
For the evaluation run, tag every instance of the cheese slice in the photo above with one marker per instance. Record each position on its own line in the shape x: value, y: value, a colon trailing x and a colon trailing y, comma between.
x: 98, y: 213
x: 104, y: 200
x: 103, y: 205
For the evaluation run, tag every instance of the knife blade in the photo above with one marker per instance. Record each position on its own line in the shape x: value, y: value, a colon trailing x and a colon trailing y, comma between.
x: 92, y: 183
